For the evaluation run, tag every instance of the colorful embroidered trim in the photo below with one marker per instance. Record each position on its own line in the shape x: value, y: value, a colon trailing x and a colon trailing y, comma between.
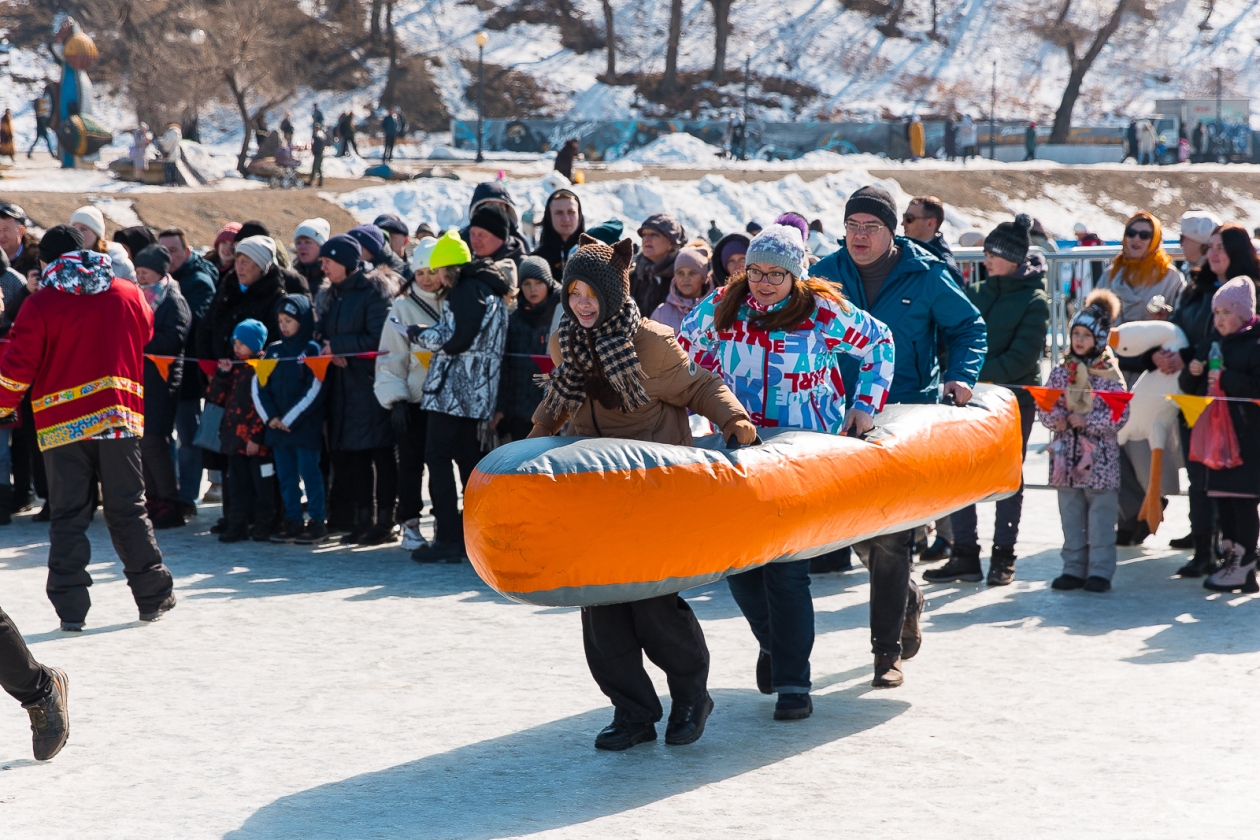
x: 90, y: 425
x: 12, y: 385
x: 118, y: 383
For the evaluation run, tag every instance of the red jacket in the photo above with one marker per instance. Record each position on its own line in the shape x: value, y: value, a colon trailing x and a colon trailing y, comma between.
x: 78, y: 345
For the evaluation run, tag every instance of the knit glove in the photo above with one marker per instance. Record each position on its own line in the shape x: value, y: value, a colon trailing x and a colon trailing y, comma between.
x: 398, y: 418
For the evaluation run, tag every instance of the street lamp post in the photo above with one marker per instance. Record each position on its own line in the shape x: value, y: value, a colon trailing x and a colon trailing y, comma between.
x: 482, y: 39
x: 997, y: 54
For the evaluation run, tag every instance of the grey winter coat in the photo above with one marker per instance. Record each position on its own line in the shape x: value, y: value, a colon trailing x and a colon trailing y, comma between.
x: 358, y: 309
x: 467, y: 343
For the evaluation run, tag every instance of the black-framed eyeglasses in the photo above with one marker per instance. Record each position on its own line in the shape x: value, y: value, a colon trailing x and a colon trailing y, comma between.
x: 774, y: 278
x: 1135, y: 233
x: 906, y: 218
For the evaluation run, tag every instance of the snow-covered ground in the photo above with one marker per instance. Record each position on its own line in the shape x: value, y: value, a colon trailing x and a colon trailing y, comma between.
x: 300, y: 694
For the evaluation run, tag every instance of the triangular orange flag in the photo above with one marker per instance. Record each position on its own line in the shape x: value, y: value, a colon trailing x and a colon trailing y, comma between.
x: 319, y: 365
x: 1191, y: 406
x: 423, y: 357
x: 1044, y: 397
x: 163, y: 364
x: 1116, y: 401
x: 263, y: 368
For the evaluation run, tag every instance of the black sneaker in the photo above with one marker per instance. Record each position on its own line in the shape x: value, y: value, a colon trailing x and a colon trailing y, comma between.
x: 72, y: 626
x: 793, y: 707
x: 936, y: 552
x: 314, y: 533
x: 290, y: 531
x: 686, y: 725
x: 963, y: 565
x: 380, y: 534
x: 1182, y: 542
x: 356, y: 535
x: 1065, y: 582
x: 1097, y: 584
x: 50, y: 718
x: 232, y: 534
x: 161, y: 610
x: 764, y: 684
x: 622, y: 735
x: 445, y: 552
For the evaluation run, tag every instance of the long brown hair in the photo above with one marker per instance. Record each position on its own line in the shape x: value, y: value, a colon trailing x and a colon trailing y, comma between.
x: 800, y: 304
x: 1242, y: 254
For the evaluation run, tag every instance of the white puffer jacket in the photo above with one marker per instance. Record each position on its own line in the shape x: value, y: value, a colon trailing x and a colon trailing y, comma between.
x: 400, y: 375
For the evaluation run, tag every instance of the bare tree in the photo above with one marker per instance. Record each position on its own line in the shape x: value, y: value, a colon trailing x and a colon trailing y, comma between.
x: 721, y: 31
x: 374, y: 30
x: 1071, y: 36
x: 610, y: 41
x: 250, y: 51
x: 670, y: 80
x: 889, y: 27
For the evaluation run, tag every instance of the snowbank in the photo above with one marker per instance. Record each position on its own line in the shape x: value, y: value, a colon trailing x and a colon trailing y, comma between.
x: 676, y: 148
x: 712, y: 199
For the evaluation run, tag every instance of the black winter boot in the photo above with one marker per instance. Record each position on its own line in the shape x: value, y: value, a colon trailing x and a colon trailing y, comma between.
x: 384, y: 531
x: 6, y: 504
x: 361, y: 528
x: 1203, y: 562
x: 964, y: 564
x: 1002, y: 565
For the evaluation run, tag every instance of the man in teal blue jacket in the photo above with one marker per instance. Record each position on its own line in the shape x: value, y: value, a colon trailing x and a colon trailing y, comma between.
x: 910, y: 290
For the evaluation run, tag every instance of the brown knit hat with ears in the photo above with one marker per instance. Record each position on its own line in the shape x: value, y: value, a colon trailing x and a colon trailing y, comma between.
x: 606, y: 270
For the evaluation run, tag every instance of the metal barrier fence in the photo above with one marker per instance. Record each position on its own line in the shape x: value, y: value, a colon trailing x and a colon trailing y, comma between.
x: 1069, y: 270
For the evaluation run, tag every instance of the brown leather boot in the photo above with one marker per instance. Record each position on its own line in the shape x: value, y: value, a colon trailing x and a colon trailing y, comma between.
x: 887, y: 672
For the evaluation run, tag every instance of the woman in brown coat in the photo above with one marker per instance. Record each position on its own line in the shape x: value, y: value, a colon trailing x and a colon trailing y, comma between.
x: 619, y: 375
x: 6, y: 136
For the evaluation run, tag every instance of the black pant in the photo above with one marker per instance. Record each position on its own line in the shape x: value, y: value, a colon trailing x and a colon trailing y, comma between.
x: 1009, y: 510
x: 317, y: 170
x: 616, y: 637
x: 252, y: 479
x: 21, y: 676
x: 1240, y: 522
x: 159, y: 468
x: 388, y: 152
x: 72, y: 470
x: 370, y: 479
x: 449, y: 439
x: 411, y: 464
x: 893, y: 591
x: 28, y: 464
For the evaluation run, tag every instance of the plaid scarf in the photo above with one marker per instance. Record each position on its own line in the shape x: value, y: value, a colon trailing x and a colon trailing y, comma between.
x: 600, y: 363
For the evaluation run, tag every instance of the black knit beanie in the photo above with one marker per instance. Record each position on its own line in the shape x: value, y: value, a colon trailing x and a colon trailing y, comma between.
x: 251, y: 228
x: 1009, y: 240
x: 155, y: 258
x: 61, y: 239
x: 876, y: 201
x: 493, y: 219
x: 606, y: 270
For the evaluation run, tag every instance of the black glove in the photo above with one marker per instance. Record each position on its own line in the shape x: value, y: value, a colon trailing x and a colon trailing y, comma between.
x: 398, y: 418
x: 413, y: 332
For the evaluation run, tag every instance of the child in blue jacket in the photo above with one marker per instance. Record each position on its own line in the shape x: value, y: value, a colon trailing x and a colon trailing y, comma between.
x: 291, y: 404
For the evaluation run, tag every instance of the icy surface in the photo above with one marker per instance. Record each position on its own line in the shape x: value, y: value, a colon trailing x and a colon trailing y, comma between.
x: 300, y: 694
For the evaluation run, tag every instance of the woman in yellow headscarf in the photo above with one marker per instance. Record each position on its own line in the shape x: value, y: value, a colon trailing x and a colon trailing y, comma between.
x: 1142, y: 271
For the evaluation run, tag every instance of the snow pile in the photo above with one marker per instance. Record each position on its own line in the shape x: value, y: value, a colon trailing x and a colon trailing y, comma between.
x: 676, y: 148
x: 214, y: 163
x: 710, y: 200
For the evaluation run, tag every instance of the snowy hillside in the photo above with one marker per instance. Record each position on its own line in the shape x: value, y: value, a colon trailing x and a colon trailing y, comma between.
x: 857, y: 70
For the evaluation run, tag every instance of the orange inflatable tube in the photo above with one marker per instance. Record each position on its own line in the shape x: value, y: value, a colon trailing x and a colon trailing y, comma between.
x: 584, y: 521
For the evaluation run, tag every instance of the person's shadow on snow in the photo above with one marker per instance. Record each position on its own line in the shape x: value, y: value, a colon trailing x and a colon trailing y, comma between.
x: 550, y: 776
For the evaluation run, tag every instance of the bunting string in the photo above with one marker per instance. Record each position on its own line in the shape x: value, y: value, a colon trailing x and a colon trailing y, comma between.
x: 263, y: 368
x: 1191, y: 406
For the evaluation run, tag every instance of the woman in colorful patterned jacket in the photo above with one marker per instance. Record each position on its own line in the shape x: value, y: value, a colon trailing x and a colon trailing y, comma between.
x: 775, y: 336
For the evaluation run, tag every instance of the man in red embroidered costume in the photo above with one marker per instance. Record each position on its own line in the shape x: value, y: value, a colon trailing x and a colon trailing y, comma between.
x: 77, y: 344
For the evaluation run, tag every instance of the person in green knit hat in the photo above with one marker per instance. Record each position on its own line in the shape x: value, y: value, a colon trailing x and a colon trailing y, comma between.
x: 1016, y: 310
